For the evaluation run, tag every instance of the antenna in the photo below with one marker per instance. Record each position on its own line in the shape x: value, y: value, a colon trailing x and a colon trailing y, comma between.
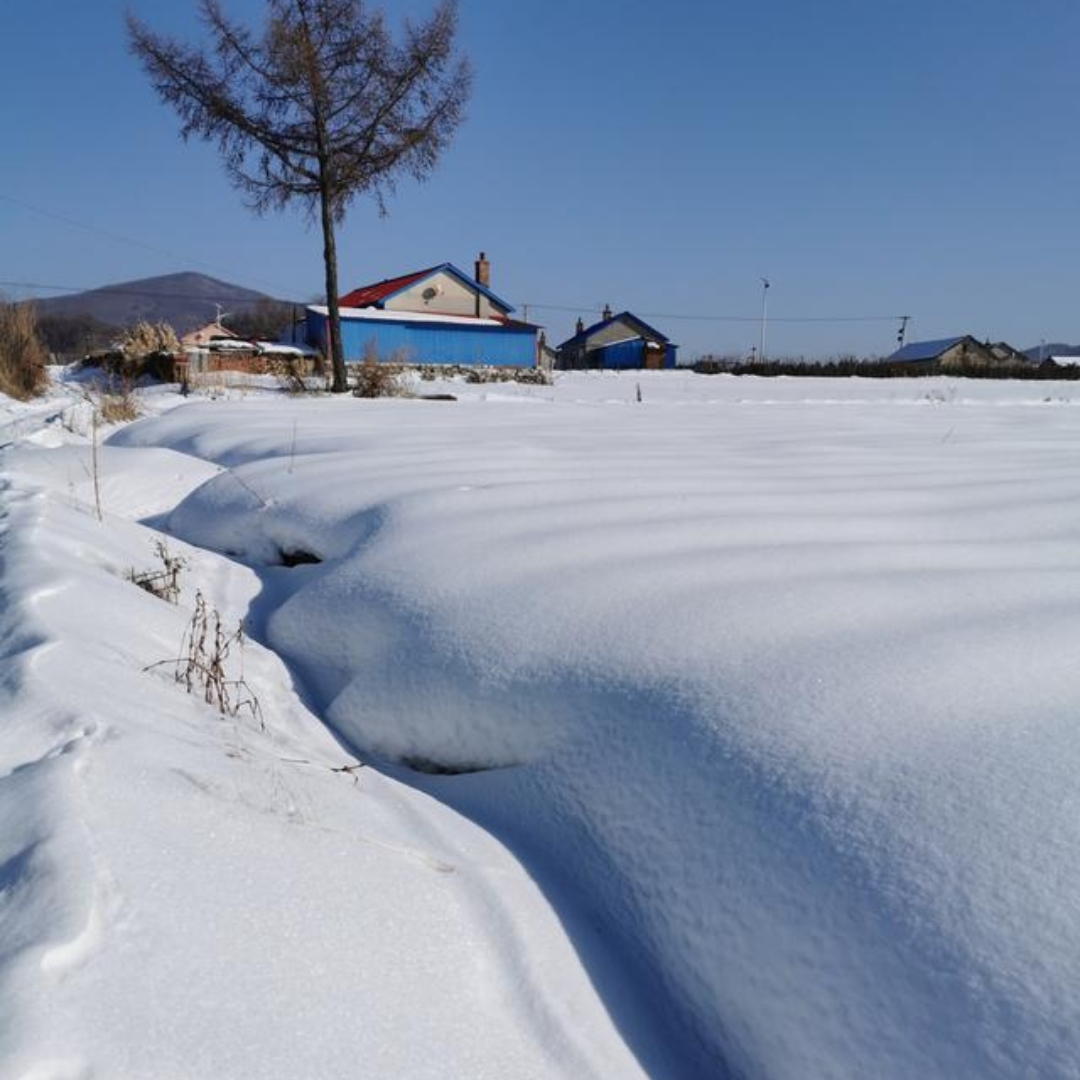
x: 902, y: 332
x: 221, y: 314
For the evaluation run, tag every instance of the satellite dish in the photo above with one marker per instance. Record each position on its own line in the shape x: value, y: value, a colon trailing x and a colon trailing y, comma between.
x: 430, y: 293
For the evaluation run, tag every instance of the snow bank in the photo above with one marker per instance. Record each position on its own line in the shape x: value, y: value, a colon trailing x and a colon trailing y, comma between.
x: 780, y: 673
x: 186, y: 895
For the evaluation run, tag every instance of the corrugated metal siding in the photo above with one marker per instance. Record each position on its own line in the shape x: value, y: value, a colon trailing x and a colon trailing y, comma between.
x: 623, y: 355
x: 420, y: 343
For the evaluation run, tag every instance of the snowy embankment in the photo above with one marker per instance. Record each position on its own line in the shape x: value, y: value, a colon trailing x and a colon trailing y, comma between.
x: 770, y: 685
x: 775, y: 681
x: 184, y: 895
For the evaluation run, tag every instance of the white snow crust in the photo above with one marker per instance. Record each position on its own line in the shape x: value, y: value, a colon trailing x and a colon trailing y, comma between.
x: 761, y: 694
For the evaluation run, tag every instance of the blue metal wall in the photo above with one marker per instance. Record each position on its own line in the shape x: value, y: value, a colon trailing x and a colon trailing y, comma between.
x: 628, y: 355
x: 429, y: 343
x: 622, y: 355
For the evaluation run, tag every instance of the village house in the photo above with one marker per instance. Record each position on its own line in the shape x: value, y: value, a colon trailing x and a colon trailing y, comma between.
x: 201, y: 337
x: 945, y: 354
x: 616, y: 342
x: 435, y: 316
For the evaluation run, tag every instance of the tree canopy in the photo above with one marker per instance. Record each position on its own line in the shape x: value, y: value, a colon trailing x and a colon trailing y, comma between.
x: 322, y: 105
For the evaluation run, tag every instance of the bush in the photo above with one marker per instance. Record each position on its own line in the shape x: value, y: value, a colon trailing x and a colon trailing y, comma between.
x: 22, y: 353
x: 117, y: 403
x: 148, y: 339
x: 373, y: 379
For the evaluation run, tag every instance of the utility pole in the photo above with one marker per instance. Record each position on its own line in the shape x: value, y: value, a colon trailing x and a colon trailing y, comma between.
x: 764, y: 318
x: 902, y: 333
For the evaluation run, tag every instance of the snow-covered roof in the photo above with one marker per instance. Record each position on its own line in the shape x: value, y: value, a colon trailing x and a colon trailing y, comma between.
x: 379, y: 315
x: 285, y: 348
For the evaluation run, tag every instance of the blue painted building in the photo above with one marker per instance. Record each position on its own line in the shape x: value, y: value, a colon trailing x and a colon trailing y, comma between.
x: 617, y: 343
x: 435, y: 316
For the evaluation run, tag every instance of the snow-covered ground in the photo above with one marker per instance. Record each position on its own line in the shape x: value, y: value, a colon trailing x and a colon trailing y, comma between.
x: 746, y: 713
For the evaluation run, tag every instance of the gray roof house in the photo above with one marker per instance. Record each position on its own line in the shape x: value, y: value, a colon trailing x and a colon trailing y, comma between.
x: 943, y: 354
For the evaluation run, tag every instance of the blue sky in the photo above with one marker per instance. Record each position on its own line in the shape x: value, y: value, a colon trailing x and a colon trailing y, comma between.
x: 869, y: 158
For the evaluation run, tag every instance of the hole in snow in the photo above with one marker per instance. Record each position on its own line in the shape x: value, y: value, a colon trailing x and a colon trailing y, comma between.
x: 458, y: 768
x: 297, y: 558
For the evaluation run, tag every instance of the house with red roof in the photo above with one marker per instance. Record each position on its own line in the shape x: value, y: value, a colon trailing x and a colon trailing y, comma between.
x: 440, y: 315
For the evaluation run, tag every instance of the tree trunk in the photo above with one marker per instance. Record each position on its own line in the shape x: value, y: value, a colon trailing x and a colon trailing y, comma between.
x: 337, y: 355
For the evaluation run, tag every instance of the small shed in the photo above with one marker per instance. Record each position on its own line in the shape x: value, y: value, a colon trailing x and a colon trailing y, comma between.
x: 619, y: 343
x: 204, y: 335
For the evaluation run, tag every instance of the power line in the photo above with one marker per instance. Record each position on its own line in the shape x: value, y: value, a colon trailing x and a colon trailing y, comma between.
x: 119, y: 238
x: 728, y: 318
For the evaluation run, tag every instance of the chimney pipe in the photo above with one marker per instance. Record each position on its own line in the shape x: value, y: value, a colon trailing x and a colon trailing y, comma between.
x: 580, y: 325
x: 607, y: 312
x: 483, y: 271
x: 482, y: 276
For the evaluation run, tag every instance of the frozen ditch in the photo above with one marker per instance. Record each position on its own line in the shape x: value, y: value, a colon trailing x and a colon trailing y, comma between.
x: 785, y: 689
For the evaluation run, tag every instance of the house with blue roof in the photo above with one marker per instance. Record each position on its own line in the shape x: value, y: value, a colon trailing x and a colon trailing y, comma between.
x: 944, y: 353
x: 439, y: 315
x: 617, y: 343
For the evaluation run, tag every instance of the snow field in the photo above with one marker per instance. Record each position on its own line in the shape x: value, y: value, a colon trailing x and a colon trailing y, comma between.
x: 186, y: 895
x: 786, y: 670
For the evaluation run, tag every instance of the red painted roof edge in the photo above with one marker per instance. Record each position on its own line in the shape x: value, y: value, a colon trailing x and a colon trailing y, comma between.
x: 367, y: 295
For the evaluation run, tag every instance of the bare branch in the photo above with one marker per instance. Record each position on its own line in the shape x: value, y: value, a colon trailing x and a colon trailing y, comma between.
x: 320, y: 107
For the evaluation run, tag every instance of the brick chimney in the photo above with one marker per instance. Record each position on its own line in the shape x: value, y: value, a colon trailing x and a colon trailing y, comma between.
x: 483, y: 271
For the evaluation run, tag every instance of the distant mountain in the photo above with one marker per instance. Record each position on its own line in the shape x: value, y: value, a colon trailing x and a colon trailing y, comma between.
x: 1052, y: 349
x: 185, y: 301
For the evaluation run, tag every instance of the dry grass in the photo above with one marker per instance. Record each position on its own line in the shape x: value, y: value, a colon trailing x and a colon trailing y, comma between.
x: 22, y: 353
x: 163, y: 583
x: 202, y: 666
x: 375, y: 378
x: 115, y: 400
x: 372, y: 379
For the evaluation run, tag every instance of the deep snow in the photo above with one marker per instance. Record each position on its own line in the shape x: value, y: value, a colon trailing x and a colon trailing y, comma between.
x: 772, y: 683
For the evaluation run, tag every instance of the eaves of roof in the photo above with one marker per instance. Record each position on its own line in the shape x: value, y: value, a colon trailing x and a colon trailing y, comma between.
x: 645, y: 330
x: 925, y: 350
x: 378, y: 294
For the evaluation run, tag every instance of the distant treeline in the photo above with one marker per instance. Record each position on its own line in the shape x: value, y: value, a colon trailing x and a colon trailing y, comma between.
x: 882, y: 369
x: 82, y: 334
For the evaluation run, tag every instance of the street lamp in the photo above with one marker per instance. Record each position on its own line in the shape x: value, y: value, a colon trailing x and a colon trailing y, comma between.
x: 764, y: 318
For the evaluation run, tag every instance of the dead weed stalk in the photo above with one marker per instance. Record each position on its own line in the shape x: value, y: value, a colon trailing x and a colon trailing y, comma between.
x: 202, y: 666
x: 163, y: 583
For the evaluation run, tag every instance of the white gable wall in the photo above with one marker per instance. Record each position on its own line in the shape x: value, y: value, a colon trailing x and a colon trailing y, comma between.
x: 450, y: 297
x: 619, y: 330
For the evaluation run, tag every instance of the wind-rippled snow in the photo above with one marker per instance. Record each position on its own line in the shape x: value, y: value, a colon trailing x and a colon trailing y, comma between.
x: 786, y: 672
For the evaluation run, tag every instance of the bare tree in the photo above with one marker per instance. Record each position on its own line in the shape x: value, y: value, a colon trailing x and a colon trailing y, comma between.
x: 321, y: 106
x: 266, y: 320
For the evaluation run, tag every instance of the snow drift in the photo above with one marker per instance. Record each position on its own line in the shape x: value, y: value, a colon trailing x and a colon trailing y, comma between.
x: 773, y: 683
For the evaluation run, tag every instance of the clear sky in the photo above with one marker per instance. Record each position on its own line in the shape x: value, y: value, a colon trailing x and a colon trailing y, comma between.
x: 870, y: 157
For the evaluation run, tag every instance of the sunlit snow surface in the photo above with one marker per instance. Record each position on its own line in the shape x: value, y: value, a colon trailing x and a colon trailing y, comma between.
x: 773, y: 685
